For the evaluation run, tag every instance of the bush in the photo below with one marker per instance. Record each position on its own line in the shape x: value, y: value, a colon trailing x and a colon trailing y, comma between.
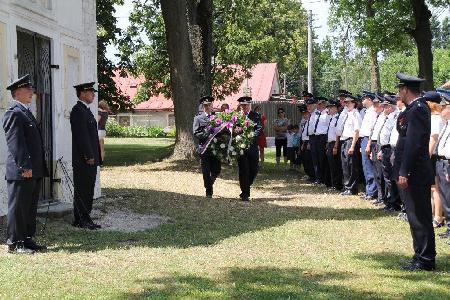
x: 114, y: 129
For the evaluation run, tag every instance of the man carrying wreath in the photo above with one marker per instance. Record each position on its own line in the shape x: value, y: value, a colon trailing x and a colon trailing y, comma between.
x: 210, y: 164
x: 248, y: 161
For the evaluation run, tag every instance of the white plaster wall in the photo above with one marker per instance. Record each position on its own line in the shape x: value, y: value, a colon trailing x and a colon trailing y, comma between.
x: 70, y: 24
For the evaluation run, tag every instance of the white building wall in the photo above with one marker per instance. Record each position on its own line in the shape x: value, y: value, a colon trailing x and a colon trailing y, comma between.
x: 71, y: 27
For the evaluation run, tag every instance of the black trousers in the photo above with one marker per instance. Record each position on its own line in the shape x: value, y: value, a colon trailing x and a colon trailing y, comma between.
x: 84, y: 183
x: 280, y: 144
x: 378, y: 168
x: 248, y: 164
x: 306, y: 159
x: 211, y: 167
x: 444, y: 188
x: 318, y: 145
x: 418, y: 208
x: 391, y: 189
x: 350, y: 167
x: 23, y: 196
x: 334, y: 165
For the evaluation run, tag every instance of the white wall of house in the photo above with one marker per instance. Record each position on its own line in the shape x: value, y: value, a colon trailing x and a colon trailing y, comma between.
x: 71, y: 27
x: 147, y: 118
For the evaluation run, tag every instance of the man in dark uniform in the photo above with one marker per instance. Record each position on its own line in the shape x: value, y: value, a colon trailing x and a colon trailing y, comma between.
x: 85, y: 155
x: 248, y: 162
x: 412, y: 166
x: 25, y: 168
x: 211, y: 165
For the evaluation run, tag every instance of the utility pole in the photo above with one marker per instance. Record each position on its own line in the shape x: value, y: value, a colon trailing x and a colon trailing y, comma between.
x: 310, y: 53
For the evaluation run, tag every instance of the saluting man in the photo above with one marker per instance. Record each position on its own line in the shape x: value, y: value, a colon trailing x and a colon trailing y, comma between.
x: 412, y: 166
x: 248, y: 162
x: 85, y: 155
x: 25, y: 168
x: 211, y: 165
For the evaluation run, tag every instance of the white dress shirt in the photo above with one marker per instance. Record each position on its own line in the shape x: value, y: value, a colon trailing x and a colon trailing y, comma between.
x: 352, y: 123
x: 331, y: 135
x: 304, y: 131
x: 312, y: 121
x: 368, y: 122
x: 341, y: 120
x: 387, y: 128
x: 443, y: 147
x: 378, y: 125
x: 436, y: 124
x: 321, y: 123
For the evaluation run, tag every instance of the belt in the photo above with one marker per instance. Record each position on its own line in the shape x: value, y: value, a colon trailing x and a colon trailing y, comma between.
x: 385, y: 147
x: 373, y: 141
x: 443, y: 158
x: 346, y: 139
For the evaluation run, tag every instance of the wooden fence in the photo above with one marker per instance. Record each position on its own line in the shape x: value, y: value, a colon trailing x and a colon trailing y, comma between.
x: 270, y: 108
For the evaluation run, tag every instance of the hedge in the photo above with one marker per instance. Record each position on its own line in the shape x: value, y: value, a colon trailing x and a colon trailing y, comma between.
x: 114, y: 129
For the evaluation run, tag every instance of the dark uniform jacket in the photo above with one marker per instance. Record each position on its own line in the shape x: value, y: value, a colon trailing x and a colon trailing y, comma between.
x: 256, y: 118
x: 85, y: 143
x: 25, y: 150
x: 412, y: 159
x: 200, y: 129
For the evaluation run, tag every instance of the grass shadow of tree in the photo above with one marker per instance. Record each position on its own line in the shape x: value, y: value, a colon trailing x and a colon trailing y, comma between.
x: 195, y: 220
x: 252, y: 283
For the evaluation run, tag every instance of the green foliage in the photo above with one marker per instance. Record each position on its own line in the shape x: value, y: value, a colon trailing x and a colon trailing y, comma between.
x: 441, y: 32
x: 107, y: 33
x: 244, y: 33
x: 114, y: 129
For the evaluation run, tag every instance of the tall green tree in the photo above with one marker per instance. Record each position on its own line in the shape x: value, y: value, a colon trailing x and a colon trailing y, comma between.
x: 107, y: 33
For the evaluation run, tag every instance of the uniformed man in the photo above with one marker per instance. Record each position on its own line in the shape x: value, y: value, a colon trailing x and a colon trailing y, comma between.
x: 318, y: 126
x: 248, y: 162
x: 25, y: 168
x: 333, y: 160
x: 373, y: 148
x: 443, y: 164
x: 392, y: 199
x: 370, y: 102
x: 211, y: 165
x: 305, y: 151
x: 342, y: 115
x: 85, y: 155
x: 412, y: 165
x: 350, y: 147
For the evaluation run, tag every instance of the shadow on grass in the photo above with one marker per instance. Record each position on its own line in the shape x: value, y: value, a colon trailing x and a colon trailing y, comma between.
x: 194, y: 220
x: 252, y: 283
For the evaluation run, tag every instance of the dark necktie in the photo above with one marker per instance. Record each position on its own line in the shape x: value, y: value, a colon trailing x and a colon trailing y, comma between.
x: 317, y: 121
x: 440, y: 138
x: 328, y: 129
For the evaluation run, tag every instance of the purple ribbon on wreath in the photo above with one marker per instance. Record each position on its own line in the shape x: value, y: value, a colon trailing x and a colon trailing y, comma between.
x: 216, y: 131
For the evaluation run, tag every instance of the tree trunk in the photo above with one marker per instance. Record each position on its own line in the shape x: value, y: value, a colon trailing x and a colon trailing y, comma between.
x: 375, y: 84
x: 422, y: 36
x: 188, y: 26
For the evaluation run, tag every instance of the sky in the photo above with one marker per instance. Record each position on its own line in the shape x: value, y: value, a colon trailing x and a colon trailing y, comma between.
x: 319, y: 9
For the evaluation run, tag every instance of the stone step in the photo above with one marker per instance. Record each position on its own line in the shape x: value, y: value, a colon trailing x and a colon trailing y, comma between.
x: 56, y: 210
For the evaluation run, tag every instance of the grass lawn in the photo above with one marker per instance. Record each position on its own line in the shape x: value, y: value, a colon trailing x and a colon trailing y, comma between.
x: 293, y: 241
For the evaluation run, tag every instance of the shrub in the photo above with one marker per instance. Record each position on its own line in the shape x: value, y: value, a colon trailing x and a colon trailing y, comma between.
x: 114, y: 129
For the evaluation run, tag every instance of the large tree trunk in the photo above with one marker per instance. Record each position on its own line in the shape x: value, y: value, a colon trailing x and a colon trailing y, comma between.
x: 423, y: 36
x: 188, y: 26
x: 375, y: 84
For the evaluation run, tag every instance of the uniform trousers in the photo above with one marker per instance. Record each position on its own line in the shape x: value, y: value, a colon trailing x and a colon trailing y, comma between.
x: 368, y: 169
x: 442, y: 170
x: 391, y: 189
x: 306, y: 159
x: 334, y: 164
x: 23, y: 196
x: 318, y: 153
x: 84, y: 176
x: 211, y: 168
x: 350, y: 170
x: 248, y: 164
x: 378, y: 168
x: 418, y: 209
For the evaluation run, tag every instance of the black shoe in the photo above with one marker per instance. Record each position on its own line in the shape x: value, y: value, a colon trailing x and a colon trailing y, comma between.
x: 369, y: 198
x: 30, y: 244
x: 209, y: 196
x: 89, y: 225
x: 332, y: 189
x: 416, y: 265
x: 76, y: 223
x: 245, y: 199
x: 19, y: 248
x: 445, y: 235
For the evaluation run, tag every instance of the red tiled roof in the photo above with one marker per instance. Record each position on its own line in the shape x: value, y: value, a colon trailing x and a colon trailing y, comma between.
x: 260, y: 84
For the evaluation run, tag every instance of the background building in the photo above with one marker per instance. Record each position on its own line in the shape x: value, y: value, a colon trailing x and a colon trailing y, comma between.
x: 55, y: 42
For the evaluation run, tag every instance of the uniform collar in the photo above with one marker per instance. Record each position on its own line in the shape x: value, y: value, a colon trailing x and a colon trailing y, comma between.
x: 27, y: 107
x: 85, y: 104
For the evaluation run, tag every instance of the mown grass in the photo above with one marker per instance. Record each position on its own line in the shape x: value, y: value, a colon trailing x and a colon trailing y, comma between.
x: 293, y: 241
